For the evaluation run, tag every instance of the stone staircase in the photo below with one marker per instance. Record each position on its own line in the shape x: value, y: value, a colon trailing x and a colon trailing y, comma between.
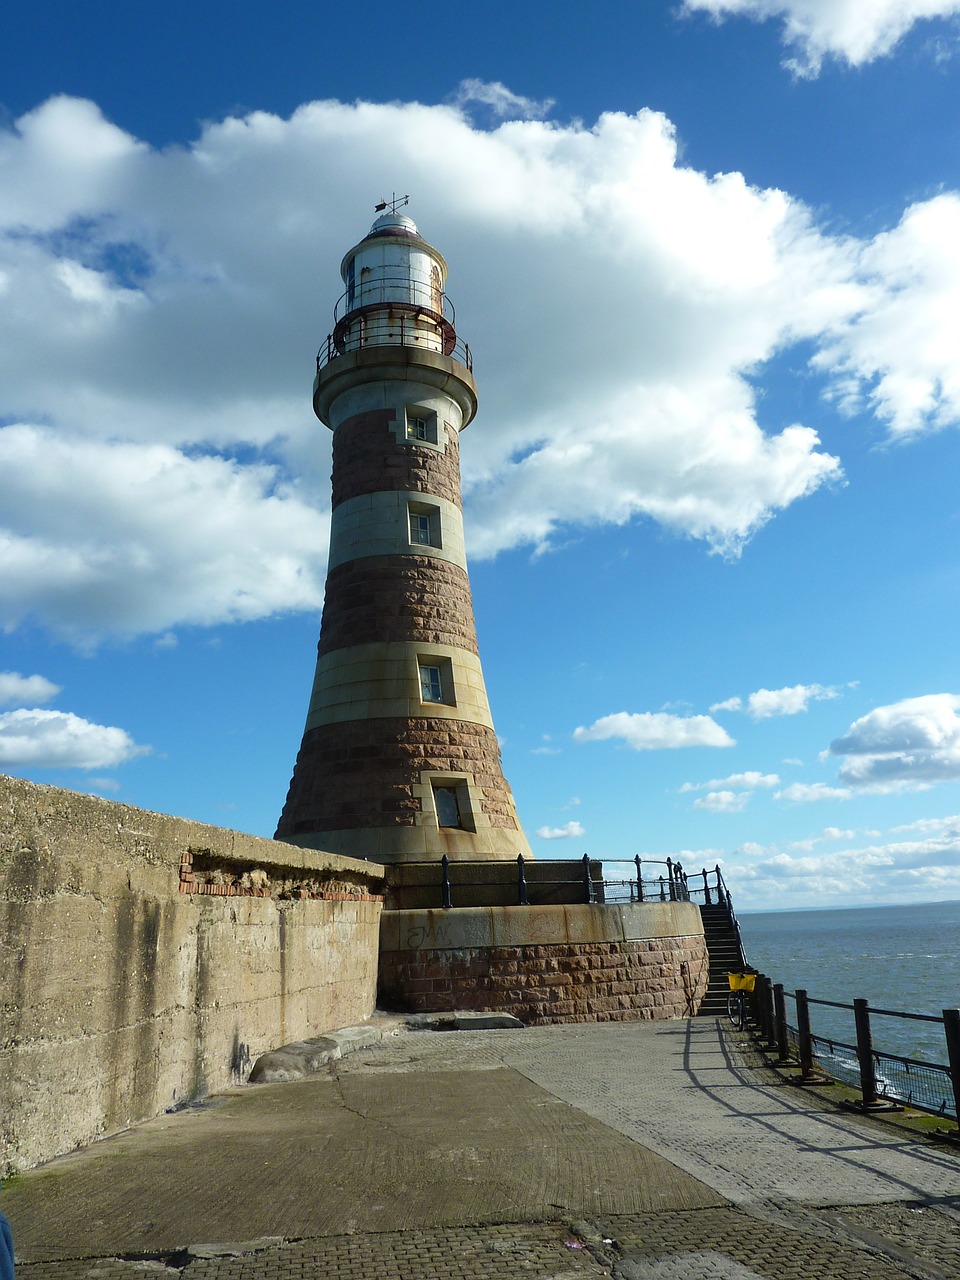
x: 723, y: 948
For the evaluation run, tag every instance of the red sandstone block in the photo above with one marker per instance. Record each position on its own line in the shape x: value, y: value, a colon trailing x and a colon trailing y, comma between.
x: 415, y: 986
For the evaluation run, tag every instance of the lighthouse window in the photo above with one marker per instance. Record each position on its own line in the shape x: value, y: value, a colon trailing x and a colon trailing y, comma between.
x: 431, y: 684
x: 448, y: 807
x: 436, y: 680
x: 424, y: 525
x: 421, y: 425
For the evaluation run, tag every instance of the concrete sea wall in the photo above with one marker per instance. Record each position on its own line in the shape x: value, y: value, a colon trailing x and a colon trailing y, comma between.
x: 547, y: 964
x: 147, y: 960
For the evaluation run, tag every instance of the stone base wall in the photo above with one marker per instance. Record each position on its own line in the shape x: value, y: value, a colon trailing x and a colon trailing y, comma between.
x: 567, y: 970
x: 147, y: 960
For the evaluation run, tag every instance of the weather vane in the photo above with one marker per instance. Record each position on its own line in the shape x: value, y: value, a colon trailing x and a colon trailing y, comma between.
x: 397, y: 202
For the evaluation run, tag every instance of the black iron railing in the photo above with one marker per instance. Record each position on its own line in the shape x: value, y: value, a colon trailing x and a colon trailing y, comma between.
x: 394, y: 311
x: 452, y: 883
x: 886, y: 1081
x: 386, y: 290
x: 458, y: 882
x: 398, y: 332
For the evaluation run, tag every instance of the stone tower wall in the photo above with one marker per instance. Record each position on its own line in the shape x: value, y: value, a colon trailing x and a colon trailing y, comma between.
x: 378, y: 754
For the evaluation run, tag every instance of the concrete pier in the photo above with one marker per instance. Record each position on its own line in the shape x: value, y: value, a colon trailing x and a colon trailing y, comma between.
x: 647, y: 1151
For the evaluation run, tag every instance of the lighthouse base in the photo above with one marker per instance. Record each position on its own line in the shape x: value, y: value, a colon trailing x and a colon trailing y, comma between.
x: 546, y: 964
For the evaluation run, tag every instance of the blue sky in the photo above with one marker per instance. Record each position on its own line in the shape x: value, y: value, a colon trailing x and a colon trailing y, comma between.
x: 707, y: 257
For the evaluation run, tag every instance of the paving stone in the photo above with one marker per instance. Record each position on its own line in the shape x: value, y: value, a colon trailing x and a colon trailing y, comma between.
x: 643, y: 1151
x: 688, y: 1266
x: 759, y: 1248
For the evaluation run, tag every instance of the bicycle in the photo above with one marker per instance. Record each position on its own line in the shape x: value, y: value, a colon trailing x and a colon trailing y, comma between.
x: 740, y: 984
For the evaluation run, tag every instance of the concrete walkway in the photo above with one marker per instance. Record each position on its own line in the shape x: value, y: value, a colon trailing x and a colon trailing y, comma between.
x: 642, y: 1150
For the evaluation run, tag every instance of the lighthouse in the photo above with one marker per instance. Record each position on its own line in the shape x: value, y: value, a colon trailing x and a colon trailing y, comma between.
x: 399, y: 760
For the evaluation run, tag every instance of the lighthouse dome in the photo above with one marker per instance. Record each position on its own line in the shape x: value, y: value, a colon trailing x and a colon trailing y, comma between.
x: 395, y: 224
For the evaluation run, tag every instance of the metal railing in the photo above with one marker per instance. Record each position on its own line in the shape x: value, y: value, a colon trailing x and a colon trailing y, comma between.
x: 669, y: 884
x: 886, y: 1081
x: 394, y: 311
x: 653, y: 880
x: 580, y: 885
x: 398, y: 332
x: 385, y: 290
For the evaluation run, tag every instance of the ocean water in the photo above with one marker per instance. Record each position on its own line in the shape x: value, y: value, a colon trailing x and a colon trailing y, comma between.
x: 902, y: 958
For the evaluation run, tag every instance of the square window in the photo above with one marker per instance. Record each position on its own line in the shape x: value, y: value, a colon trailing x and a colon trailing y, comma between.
x: 431, y: 683
x: 421, y: 425
x: 436, y: 680
x: 448, y: 806
x: 424, y: 525
x: 420, y: 529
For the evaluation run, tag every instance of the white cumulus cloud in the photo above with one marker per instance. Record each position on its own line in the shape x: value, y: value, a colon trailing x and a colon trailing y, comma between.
x: 723, y: 801
x: 656, y: 731
x: 751, y: 779
x: 145, y: 310
x: 809, y: 792
x: 59, y: 739
x: 910, y: 744
x: 898, y: 356
x: 19, y: 690
x: 98, y: 537
x: 853, y: 31
x: 765, y: 703
x: 920, y: 870
x: 567, y: 832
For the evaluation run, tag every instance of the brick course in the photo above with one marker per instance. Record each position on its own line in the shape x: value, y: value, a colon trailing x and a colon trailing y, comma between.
x: 368, y: 458
x: 379, y: 599
x: 362, y: 773
x: 568, y: 982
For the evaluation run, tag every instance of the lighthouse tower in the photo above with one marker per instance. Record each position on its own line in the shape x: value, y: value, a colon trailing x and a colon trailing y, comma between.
x: 399, y: 760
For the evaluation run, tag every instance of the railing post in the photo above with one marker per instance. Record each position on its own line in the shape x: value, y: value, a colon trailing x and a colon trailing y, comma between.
x: 766, y: 1010
x: 951, y: 1027
x: 639, y: 879
x: 587, y: 886
x: 673, y: 887
x: 868, y: 1077
x: 804, y: 1038
x: 720, y: 901
x: 780, y: 1022
x: 445, y: 886
x: 521, y: 882
x: 663, y: 892
x: 706, y: 889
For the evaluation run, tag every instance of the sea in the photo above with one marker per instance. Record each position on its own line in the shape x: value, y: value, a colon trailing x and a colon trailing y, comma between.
x: 900, y: 958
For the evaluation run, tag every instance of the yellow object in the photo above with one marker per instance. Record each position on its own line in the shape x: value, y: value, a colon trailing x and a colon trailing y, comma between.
x: 741, y: 981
